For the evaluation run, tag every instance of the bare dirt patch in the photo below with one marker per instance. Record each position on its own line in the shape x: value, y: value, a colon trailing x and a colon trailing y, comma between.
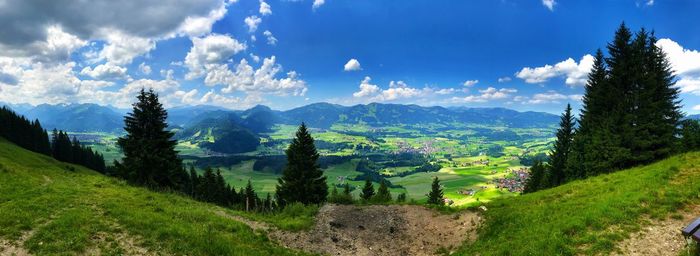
x: 12, y: 248
x: 378, y: 230
x: 661, y: 237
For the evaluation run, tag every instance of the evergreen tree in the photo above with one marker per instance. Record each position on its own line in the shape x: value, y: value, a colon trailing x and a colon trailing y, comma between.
x: 302, y: 179
x: 383, y: 195
x: 435, y: 196
x: 401, y: 198
x: 537, y: 177
x: 150, y: 158
x: 690, y: 135
x: 367, y: 190
x: 250, y: 198
x: 346, y: 194
x: 559, y: 155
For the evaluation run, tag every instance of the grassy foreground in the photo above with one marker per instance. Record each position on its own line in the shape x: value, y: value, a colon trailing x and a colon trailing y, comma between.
x: 588, y: 216
x: 53, y: 211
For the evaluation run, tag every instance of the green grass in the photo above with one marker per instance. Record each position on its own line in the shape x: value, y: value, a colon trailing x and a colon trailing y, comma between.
x: 61, y: 212
x: 588, y: 216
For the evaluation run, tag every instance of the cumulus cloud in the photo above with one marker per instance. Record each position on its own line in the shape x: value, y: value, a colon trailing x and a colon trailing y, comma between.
x: 106, y: 71
x: 317, y: 4
x: 252, y: 22
x: 245, y: 78
x: 685, y: 64
x: 352, y: 65
x: 145, y: 69
x: 210, y: 50
x: 265, y: 8
x: 397, y: 90
x: 200, y: 25
x: 486, y: 95
x: 271, y: 40
x: 30, y: 30
x: 549, y: 4
x: 470, y: 83
x: 574, y: 73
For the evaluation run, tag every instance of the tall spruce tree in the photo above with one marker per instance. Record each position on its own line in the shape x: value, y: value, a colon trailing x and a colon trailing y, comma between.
x: 436, y: 196
x: 302, y: 178
x: 367, y: 189
x: 559, y: 155
x: 150, y: 158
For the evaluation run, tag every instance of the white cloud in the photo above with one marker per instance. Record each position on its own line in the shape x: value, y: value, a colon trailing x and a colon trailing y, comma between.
x: 255, y: 58
x: 548, y: 98
x: 352, y: 65
x: 106, y: 71
x: 317, y: 4
x: 271, y: 40
x: 575, y: 73
x: 650, y: 2
x: 265, y: 8
x: 683, y: 61
x: 247, y: 79
x: 504, y: 79
x: 696, y: 107
x: 470, y: 83
x: 122, y: 48
x: 145, y: 69
x: 366, y: 88
x: 252, y: 22
x: 486, y: 95
x: 549, y: 4
x: 397, y: 90
x: 201, y: 25
x: 685, y: 64
x: 212, y: 49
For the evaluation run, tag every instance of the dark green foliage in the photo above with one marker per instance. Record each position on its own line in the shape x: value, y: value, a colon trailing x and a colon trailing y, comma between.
x: 31, y: 136
x: 27, y: 134
x: 367, y: 190
x: 436, y: 196
x: 302, y: 179
x: 690, y: 134
x: 631, y: 110
x: 383, y: 195
x: 150, y: 158
x: 537, y: 179
x: 560, y: 153
x: 401, y: 198
x: 343, y: 197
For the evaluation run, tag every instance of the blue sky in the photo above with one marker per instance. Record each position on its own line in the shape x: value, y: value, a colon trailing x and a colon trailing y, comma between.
x: 525, y: 55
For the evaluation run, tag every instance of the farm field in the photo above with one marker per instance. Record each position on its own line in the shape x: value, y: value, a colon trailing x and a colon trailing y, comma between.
x: 468, y: 159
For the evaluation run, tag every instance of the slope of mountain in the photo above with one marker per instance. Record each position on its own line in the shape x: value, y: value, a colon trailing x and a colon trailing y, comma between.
x: 77, y: 117
x: 48, y: 210
x: 591, y: 216
x: 223, y: 133
x: 185, y: 115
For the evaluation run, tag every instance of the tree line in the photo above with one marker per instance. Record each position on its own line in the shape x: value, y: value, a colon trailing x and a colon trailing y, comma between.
x: 630, y: 115
x: 32, y: 136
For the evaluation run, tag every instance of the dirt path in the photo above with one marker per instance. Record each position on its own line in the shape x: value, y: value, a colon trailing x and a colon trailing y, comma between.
x: 661, y: 237
x: 378, y: 230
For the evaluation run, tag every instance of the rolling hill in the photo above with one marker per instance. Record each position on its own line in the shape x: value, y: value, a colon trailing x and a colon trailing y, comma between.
x: 44, y: 203
x: 76, y: 117
x: 45, y: 209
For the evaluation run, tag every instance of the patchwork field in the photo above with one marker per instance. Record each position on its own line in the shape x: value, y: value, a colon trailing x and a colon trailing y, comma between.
x: 468, y: 159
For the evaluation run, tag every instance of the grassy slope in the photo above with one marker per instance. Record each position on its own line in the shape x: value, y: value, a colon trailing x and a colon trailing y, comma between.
x: 62, y: 212
x: 588, y: 216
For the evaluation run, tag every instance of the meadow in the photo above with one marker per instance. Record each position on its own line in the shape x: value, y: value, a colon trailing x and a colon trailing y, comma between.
x: 470, y: 157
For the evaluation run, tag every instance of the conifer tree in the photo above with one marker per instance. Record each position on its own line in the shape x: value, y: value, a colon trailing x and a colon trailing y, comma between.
x: 436, y: 196
x: 250, y: 198
x: 150, y: 158
x: 367, y: 190
x: 559, y: 155
x: 302, y: 178
x: 383, y: 195
x: 401, y: 198
x: 537, y: 177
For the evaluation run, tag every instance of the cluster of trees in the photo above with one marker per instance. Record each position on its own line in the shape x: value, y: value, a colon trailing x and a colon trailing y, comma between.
x: 212, y: 188
x: 367, y: 194
x: 31, y: 136
x: 630, y: 114
x: 150, y: 160
x: 63, y: 149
